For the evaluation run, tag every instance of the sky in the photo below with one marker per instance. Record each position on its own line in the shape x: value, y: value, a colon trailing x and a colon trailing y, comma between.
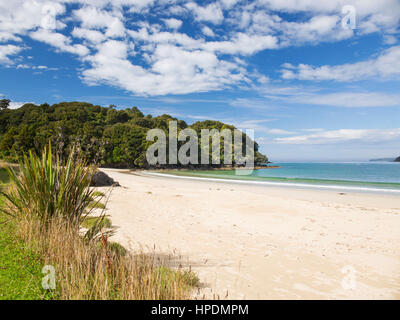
x: 315, y: 80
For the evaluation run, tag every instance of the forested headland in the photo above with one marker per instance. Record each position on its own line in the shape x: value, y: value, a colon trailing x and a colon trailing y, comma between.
x: 106, y: 136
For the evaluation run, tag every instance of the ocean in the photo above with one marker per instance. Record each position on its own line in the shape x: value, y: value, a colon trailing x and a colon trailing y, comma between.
x: 368, y: 176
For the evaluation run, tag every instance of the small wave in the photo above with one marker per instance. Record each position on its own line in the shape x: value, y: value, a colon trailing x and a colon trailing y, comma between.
x: 283, y: 184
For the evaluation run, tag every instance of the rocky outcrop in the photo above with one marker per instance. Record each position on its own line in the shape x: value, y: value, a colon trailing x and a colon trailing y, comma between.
x: 397, y: 159
x: 100, y: 179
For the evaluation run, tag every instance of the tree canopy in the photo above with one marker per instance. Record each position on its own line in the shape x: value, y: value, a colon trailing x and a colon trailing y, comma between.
x: 107, y: 136
x: 4, y: 103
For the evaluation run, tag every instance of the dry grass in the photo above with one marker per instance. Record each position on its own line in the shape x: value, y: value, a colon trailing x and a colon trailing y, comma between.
x: 93, y: 270
x: 48, y: 201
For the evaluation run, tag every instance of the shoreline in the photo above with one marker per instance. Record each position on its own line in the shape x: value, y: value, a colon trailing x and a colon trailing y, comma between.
x: 258, y: 242
x: 195, y: 168
x: 300, y: 185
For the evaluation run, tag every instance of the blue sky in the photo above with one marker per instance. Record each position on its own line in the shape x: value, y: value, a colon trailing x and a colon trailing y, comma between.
x: 311, y: 87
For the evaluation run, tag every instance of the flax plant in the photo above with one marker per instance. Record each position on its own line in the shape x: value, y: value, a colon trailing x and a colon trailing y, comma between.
x: 46, y: 188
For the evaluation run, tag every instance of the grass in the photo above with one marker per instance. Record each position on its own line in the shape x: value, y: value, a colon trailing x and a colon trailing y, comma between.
x: 96, y: 205
x: 20, y: 267
x: 116, y: 248
x: 188, y: 278
x: 46, y: 203
x: 98, y: 194
x: 4, y: 178
x: 89, y: 222
x: 101, y: 270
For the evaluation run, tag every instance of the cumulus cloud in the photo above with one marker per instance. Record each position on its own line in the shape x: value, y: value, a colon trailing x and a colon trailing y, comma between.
x: 59, y: 41
x: 93, y: 36
x: 207, y: 31
x: 92, y: 17
x: 173, y: 23
x: 243, y: 44
x: 372, y: 16
x: 211, y: 13
x: 174, y: 70
x: 154, y: 56
x: 6, y: 51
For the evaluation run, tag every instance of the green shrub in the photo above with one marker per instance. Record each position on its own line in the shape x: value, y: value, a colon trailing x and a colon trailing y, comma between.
x: 96, y: 205
x: 117, y: 248
x: 88, y: 222
x: 98, y: 194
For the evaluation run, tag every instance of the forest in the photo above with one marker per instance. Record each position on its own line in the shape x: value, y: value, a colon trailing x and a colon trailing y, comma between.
x: 107, y: 136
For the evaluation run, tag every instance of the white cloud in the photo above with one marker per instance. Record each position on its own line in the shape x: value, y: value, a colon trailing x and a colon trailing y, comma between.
x: 59, y: 41
x: 344, y: 135
x: 240, y: 29
x: 243, y: 44
x: 207, y: 31
x: 280, y: 131
x: 33, y: 67
x: 352, y: 99
x: 16, y: 105
x: 318, y: 29
x: 258, y: 125
x: 227, y: 4
x: 8, y: 36
x: 17, y: 17
x: 251, y: 103
x: 173, y: 23
x: 316, y: 96
x: 210, y: 13
x: 372, y: 15
x: 174, y: 70
x: 6, y: 51
x: 389, y: 39
x: 91, y: 17
x: 386, y: 65
x: 313, y: 130
x: 93, y: 36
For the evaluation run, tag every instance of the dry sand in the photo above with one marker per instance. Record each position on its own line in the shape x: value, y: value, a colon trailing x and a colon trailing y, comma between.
x: 253, y: 242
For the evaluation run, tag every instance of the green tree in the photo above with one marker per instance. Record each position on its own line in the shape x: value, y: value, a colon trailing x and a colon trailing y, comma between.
x: 4, y: 104
x: 108, y: 136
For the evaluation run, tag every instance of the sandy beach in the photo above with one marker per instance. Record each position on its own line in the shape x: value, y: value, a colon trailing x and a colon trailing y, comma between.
x: 263, y: 242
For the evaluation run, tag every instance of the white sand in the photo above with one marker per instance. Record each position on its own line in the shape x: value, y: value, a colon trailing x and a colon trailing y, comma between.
x: 252, y: 242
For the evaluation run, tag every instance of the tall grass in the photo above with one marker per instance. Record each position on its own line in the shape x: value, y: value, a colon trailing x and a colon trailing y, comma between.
x: 94, y: 270
x: 49, y: 200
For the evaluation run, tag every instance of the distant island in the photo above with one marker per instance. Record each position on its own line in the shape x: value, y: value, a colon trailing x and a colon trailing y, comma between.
x: 383, y: 160
x: 386, y: 160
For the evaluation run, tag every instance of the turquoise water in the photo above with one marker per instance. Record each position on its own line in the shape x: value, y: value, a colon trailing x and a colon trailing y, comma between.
x: 359, y: 171
x: 355, y: 175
